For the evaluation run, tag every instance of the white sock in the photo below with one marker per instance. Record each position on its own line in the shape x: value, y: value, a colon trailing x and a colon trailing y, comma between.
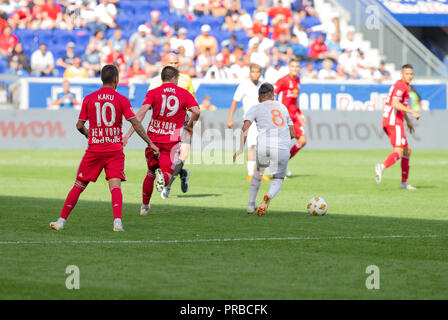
x: 250, y: 167
x: 117, y: 219
x: 275, y: 187
x: 61, y: 220
x: 254, y: 186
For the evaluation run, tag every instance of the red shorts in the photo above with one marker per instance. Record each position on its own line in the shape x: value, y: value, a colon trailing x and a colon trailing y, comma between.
x: 397, y: 136
x: 169, y: 153
x: 94, y: 162
x: 298, y: 128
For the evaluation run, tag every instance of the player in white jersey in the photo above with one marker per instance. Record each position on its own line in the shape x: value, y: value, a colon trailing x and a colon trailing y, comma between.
x: 247, y: 93
x: 275, y: 131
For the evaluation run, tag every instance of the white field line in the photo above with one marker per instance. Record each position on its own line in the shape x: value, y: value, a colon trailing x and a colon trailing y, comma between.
x: 366, y: 237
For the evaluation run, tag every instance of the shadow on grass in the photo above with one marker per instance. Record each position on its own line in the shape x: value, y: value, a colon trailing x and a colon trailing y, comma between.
x: 21, y: 217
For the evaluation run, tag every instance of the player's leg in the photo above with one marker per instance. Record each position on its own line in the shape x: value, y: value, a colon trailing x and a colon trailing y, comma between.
x: 252, y: 135
x: 114, y: 169
x: 69, y: 205
x: 278, y: 165
x: 148, y: 182
x: 405, y: 169
x: 168, y: 159
x: 179, y: 170
x: 88, y: 171
x: 395, y: 136
x: 117, y: 202
x: 262, y: 162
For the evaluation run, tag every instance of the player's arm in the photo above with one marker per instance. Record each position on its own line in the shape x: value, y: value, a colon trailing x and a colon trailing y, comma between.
x: 396, y: 104
x: 195, y: 114
x: 243, y: 138
x: 80, y: 125
x: 292, y: 132
x: 409, y: 123
x: 231, y: 112
x: 140, y: 115
x: 137, y: 127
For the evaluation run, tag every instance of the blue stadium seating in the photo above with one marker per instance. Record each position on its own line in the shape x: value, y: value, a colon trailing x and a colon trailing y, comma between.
x: 3, y: 65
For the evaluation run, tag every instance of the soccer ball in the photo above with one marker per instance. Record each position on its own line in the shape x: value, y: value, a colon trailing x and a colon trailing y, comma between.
x: 317, y: 206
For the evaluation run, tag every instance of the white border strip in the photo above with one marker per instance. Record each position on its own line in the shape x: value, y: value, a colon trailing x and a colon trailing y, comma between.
x: 366, y: 237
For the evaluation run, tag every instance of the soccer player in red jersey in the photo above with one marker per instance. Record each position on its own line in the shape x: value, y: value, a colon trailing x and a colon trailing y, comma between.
x: 287, y: 89
x: 169, y: 104
x: 104, y: 110
x: 395, y: 110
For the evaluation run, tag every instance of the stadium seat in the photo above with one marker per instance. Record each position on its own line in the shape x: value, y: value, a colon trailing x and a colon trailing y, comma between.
x: 3, y: 65
x: 127, y: 9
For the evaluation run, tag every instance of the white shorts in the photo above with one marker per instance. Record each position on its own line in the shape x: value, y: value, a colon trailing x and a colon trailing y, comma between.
x: 275, y: 159
x: 252, y: 135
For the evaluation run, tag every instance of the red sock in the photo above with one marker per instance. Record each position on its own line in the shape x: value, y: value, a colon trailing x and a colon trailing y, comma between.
x: 117, y: 201
x: 391, y: 159
x: 404, y: 169
x: 148, y: 187
x: 71, y: 200
x: 294, y: 150
x: 167, y: 178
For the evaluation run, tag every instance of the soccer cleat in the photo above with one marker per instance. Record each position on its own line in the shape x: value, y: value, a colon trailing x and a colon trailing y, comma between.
x: 249, y: 177
x: 118, y: 226
x: 265, y: 178
x: 184, y: 175
x: 251, y: 209
x: 58, y: 225
x: 263, y: 206
x: 288, y: 173
x: 160, y: 180
x: 379, y: 168
x: 407, y: 186
x: 144, y: 209
x: 165, y: 193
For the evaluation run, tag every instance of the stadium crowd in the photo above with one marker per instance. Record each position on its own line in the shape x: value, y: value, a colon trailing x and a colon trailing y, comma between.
x: 215, y: 39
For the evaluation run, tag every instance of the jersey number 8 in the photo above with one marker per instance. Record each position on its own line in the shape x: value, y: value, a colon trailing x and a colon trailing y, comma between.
x: 277, y: 118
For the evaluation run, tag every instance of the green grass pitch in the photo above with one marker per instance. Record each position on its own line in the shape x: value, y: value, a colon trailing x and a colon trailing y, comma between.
x: 402, y: 232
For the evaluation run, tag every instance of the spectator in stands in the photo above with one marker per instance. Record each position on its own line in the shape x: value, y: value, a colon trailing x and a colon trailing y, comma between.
x: 158, y: 28
x: 71, y: 13
x: 348, y: 62
x: 381, y: 74
x: 362, y: 65
x: 67, y: 60
x: 200, y: 7
x: 178, y: 7
x: 181, y: 40
x: 225, y: 56
x: 279, y: 9
x: 275, y: 72
x: 88, y: 17
x: 340, y: 74
x: 23, y: 58
x: 98, y: 40
x: 276, y: 56
x: 76, y: 70
x: 51, y: 15
x: 218, y: 71
x: 318, y: 49
x: 349, y: 42
x: 116, y: 57
x: 138, y: 40
x: 334, y: 47
x: 282, y: 44
x: 207, y: 104
x: 239, y: 70
x: 205, y: 40
x: 327, y: 73
x: 217, y: 7
x: 91, y: 60
x: 263, y: 43
x: 42, y: 62
x: 151, y: 60
x: 67, y: 98
x: 106, y: 15
x: 136, y: 73
x: 7, y: 42
x: 186, y: 64
x: 15, y: 68
x: 259, y: 25
x: 308, y: 72
x: 204, y: 61
x: 279, y: 26
x: 299, y: 31
x: 232, y: 20
x: 230, y: 43
x: 259, y: 57
x: 298, y: 49
x: 117, y: 41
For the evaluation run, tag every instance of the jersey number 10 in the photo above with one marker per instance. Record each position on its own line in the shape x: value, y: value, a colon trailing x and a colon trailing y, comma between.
x: 101, y: 114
